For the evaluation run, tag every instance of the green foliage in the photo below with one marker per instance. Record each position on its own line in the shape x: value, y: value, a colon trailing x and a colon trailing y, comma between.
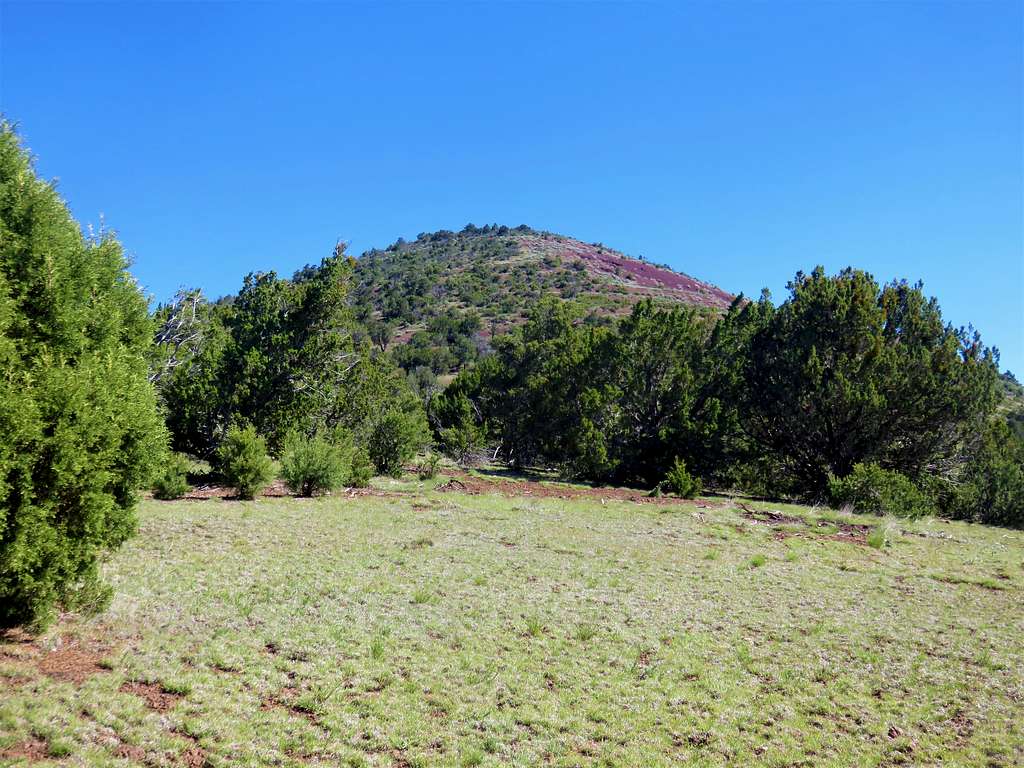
x: 680, y: 482
x: 870, y: 489
x: 312, y: 466
x: 283, y: 355
x: 361, y: 471
x: 991, y: 487
x: 462, y: 439
x: 194, y: 401
x: 646, y: 396
x: 773, y: 400
x: 607, y: 404
x: 880, y: 536
x: 525, y: 392
x: 276, y: 356
x: 845, y: 372
x: 435, y: 301
x: 243, y: 461
x: 172, y: 481
x: 429, y: 467
x: 449, y: 342
x: 1011, y: 405
x: 395, y: 438
x: 79, y: 427
x: 289, y: 350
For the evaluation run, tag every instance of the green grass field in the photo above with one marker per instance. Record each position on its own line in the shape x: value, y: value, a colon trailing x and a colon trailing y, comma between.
x: 428, y: 628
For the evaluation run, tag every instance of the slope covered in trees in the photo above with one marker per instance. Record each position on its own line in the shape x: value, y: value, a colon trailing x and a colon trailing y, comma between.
x: 286, y: 356
x: 848, y: 391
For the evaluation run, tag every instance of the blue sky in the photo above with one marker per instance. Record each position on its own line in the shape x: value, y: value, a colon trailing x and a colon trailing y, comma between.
x: 735, y: 141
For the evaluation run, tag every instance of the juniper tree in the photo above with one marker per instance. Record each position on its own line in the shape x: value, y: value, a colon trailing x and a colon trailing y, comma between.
x: 79, y: 428
x: 846, y: 372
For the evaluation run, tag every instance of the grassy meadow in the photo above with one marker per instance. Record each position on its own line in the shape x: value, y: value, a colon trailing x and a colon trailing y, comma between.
x: 421, y: 627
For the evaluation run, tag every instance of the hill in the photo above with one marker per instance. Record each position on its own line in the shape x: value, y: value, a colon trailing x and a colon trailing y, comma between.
x: 447, y: 293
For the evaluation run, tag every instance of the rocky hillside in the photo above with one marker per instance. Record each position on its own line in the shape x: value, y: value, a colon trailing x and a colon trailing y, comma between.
x: 460, y: 288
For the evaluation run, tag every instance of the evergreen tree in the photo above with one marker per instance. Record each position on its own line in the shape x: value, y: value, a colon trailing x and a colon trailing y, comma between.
x: 845, y: 372
x: 652, y: 368
x: 79, y: 427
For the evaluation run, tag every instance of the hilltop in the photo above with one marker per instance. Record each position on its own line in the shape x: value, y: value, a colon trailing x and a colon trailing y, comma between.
x: 457, y: 289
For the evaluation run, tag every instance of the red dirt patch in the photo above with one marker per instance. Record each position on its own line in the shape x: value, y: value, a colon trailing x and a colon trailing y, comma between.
x: 854, y: 533
x: 131, y: 752
x: 286, y: 700
x: 71, y: 663
x: 32, y: 750
x: 962, y: 726
x: 474, y: 486
x: 275, y: 490
x: 16, y: 636
x: 18, y: 645
x: 634, y: 275
x: 193, y: 757
x: 155, y: 697
x: 849, y: 532
x: 766, y: 517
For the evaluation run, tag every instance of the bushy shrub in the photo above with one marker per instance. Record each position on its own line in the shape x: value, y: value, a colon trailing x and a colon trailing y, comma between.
x: 680, y: 482
x: 394, y: 440
x: 991, y: 489
x: 881, y: 535
x: 463, y: 443
x: 172, y: 482
x: 361, y: 471
x: 312, y: 466
x: 428, y: 468
x: 80, y: 433
x: 243, y: 461
x: 871, y: 489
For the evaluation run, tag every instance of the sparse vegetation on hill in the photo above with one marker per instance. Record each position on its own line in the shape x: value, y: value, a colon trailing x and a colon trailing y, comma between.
x: 1011, y: 405
x: 438, y: 299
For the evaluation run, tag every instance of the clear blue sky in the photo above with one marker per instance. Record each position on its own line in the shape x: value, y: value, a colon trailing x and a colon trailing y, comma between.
x: 735, y: 141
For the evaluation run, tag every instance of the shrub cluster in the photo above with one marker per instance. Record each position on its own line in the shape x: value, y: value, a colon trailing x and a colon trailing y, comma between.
x: 807, y: 399
x: 172, y: 481
x: 428, y: 468
x: 243, y: 461
x: 361, y: 470
x: 991, y: 488
x: 680, y: 482
x: 395, y: 439
x: 870, y: 489
x: 314, y: 466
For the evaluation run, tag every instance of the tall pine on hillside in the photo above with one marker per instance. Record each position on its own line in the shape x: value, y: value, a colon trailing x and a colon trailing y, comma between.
x: 79, y: 427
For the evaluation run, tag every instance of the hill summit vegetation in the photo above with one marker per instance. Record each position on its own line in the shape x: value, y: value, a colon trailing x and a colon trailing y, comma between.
x: 437, y: 301
x: 489, y: 344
